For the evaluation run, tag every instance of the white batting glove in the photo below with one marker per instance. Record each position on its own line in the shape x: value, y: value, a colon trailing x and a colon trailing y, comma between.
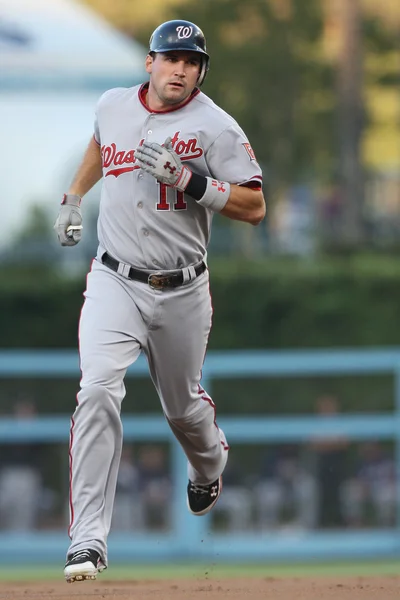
x: 163, y: 163
x: 69, y: 221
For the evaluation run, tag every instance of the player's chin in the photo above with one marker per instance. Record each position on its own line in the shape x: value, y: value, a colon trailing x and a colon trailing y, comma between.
x: 176, y: 93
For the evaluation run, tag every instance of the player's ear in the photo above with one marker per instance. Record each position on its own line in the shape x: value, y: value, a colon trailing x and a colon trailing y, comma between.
x: 149, y: 63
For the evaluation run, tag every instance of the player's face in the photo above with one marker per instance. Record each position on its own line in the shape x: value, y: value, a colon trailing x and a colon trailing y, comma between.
x: 173, y: 77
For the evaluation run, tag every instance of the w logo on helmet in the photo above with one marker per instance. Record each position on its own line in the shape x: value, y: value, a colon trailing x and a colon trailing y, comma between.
x: 184, y: 31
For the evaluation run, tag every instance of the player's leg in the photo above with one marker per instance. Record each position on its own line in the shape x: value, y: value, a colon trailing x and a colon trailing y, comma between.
x: 110, y: 327
x: 176, y: 350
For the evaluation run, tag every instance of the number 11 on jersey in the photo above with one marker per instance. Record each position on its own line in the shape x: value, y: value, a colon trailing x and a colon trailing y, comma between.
x: 168, y: 197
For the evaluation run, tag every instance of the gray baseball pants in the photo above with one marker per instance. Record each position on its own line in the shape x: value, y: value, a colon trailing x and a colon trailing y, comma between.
x: 119, y: 319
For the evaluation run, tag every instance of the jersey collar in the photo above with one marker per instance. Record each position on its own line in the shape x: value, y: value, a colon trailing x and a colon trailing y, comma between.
x: 142, y: 96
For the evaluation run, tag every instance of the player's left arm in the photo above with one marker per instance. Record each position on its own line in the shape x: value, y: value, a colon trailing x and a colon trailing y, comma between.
x: 245, y: 203
x: 230, y: 158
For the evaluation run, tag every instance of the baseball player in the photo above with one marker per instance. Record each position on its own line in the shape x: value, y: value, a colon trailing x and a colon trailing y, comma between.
x: 169, y: 159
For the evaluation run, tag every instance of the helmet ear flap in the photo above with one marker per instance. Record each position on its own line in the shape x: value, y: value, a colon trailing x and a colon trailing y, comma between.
x: 204, y: 66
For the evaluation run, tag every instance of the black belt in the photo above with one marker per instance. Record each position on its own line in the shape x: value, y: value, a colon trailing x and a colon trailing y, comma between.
x: 158, y: 280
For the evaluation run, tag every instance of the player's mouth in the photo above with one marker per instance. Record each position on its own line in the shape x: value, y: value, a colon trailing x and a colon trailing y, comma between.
x: 176, y: 85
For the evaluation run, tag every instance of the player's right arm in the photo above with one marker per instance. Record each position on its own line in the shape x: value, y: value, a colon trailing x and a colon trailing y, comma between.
x: 89, y: 172
x: 69, y: 221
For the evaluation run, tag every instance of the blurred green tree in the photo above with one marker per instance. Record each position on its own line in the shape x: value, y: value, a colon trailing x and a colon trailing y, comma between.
x: 37, y: 225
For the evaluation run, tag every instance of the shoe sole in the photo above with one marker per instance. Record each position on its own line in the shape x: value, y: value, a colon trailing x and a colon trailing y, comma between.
x: 85, y: 572
x: 206, y: 510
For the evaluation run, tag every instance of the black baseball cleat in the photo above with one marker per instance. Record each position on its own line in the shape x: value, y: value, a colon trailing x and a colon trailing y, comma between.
x: 82, y: 565
x: 201, y: 498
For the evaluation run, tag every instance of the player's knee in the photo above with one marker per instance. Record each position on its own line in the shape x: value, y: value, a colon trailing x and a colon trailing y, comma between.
x: 186, y: 417
x: 101, y: 372
x: 179, y: 422
x: 100, y: 396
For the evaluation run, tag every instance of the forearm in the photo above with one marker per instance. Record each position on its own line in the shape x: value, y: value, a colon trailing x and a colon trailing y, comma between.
x: 237, y: 202
x: 244, y: 204
x: 89, y: 172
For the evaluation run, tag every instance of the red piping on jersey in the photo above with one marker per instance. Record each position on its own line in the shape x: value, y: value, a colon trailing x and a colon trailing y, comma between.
x: 98, y: 143
x: 142, y: 97
x: 253, y: 183
x: 251, y: 186
x: 71, y: 506
x: 207, y: 398
x: 71, y: 431
x: 254, y: 179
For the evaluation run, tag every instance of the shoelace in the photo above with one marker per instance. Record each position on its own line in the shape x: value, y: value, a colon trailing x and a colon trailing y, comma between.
x: 82, y: 554
x: 199, y: 489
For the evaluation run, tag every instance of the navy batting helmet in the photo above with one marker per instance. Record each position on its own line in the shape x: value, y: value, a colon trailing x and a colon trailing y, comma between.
x: 181, y: 35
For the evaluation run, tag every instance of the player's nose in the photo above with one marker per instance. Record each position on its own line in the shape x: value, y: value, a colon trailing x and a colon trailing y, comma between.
x: 180, y: 70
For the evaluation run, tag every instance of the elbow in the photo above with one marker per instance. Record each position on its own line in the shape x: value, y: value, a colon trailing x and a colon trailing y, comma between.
x: 257, y: 221
x: 257, y: 216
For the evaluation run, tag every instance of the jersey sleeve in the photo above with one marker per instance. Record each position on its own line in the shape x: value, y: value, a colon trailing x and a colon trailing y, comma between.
x: 96, y: 133
x: 231, y: 158
x: 96, y: 126
x: 104, y: 98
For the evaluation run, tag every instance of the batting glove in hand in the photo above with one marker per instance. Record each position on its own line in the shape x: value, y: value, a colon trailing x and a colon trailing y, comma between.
x: 69, y: 221
x: 163, y: 163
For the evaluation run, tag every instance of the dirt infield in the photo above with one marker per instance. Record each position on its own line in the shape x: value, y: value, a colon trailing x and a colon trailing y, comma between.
x: 268, y: 588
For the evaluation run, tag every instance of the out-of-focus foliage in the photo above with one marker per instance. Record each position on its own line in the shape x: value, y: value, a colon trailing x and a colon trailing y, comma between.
x: 135, y: 17
x: 37, y: 226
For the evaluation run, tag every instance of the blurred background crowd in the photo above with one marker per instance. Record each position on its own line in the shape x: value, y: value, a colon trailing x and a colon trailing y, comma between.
x: 324, y: 483
x: 316, y: 86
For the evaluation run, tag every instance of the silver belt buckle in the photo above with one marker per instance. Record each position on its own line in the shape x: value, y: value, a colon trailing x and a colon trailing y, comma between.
x: 157, y: 281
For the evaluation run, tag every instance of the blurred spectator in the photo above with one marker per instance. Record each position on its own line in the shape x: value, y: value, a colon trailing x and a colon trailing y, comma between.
x: 154, y: 487
x: 128, y: 514
x: 330, y: 456
x: 331, y: 214
x: 293, y: 222
x: 286, y: 490
x: 374, y: 486
x: 20, y: 478
x: 235, y: 504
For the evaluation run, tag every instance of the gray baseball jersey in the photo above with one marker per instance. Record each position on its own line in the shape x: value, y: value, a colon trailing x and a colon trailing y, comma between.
x: 151, y: 227
x: 147, y: 224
